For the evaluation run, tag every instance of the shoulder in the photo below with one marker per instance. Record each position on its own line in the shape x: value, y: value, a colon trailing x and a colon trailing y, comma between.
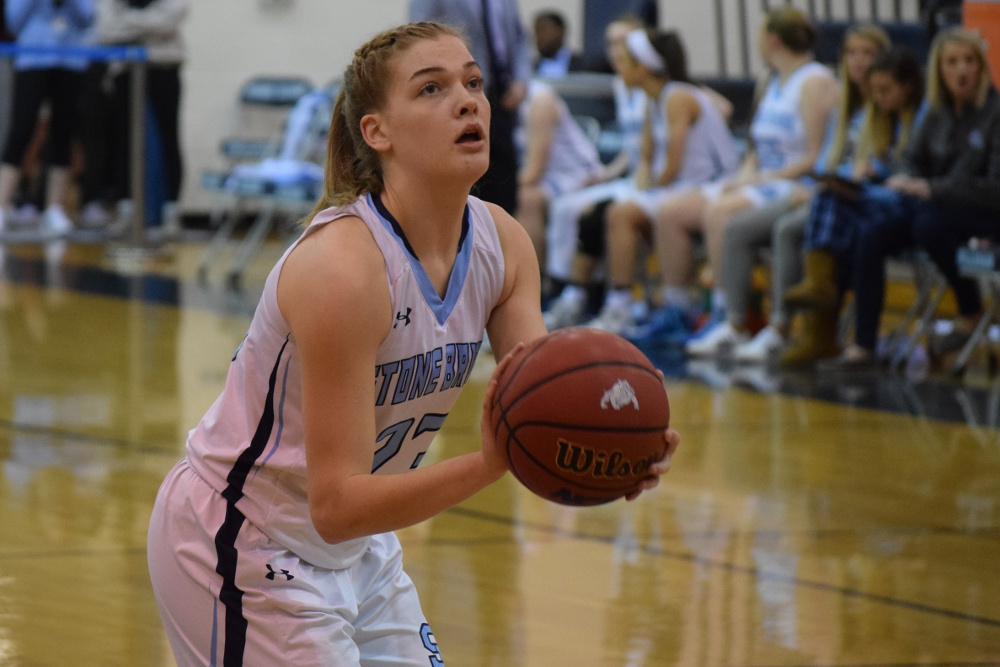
x: 514, y: 240
x: 819, y: 88
x: 332, y: 269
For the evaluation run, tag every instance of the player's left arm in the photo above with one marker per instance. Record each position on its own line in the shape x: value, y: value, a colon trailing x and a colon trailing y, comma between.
x: 517, y: 317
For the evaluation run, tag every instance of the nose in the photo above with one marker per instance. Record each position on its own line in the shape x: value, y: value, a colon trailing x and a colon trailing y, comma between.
x: 468, y: 104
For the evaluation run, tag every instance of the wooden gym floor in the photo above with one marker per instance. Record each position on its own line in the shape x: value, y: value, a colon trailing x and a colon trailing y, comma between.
x: 807, y: 521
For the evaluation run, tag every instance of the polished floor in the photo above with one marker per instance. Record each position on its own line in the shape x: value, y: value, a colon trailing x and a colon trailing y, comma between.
x: 808, y: 520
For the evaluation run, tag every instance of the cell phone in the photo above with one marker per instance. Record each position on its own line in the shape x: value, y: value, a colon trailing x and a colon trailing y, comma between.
x: 837, y: 181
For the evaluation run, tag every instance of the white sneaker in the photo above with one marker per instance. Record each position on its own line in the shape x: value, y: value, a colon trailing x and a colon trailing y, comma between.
x: 761, y: 347
x: 55, y: 222
x: 564, y: 312
x: 613, y: 319
x: 716, y: 340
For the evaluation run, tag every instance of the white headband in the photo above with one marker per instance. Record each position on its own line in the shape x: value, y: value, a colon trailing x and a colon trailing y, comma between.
x: 638, y: 44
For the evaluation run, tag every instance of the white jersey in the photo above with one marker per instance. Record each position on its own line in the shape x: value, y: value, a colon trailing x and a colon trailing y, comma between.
x: 573, y: 157
x: 250, y: 445
x: 709, y: 150
x: 777, y: 131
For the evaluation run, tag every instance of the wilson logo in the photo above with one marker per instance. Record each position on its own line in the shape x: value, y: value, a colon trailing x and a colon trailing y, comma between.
x: 589, y: 462
x: 620, y: 395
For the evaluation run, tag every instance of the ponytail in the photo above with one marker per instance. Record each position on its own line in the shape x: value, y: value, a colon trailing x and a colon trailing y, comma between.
x: 354, y: 168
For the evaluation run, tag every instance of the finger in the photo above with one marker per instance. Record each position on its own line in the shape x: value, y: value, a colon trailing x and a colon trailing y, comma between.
x: 673, y: 439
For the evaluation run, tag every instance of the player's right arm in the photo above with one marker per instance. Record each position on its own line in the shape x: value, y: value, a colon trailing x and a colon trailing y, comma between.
x: 334, y: 295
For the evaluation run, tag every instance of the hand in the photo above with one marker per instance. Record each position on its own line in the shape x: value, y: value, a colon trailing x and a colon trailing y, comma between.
x: 908, y: 185
x: 493, y: 458
x: 673, y: 439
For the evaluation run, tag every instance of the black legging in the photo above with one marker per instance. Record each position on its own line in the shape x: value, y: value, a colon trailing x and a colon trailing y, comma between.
x: 163, y: 95
x: 61, y: 87
x: 940, y: 229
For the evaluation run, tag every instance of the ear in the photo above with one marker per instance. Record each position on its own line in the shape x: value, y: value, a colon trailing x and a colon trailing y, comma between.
x: 374, y: 133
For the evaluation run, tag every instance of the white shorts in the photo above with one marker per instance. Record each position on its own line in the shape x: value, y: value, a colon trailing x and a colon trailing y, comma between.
x: 759, y: 194
x: 649, y: 201
x: 564, y: 222
x: 270, y: 607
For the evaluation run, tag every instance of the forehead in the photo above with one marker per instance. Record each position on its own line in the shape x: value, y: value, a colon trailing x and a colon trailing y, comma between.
x: 881, y: 78
x: 957, y: 50
x: 444, y: 52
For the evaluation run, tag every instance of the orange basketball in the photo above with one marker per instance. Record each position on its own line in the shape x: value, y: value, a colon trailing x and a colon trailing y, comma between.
x: 580, y: 414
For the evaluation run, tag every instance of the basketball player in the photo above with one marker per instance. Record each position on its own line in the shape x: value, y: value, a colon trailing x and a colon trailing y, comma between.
x: 271, y: 542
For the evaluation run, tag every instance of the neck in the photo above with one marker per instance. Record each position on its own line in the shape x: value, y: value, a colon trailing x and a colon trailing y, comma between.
x: 785, y: 63
x: 960, y: 104
x: 430, y: 216
x: 653, y: 85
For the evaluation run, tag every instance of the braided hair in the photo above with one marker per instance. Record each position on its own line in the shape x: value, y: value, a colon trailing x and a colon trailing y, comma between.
x: 352, y: 166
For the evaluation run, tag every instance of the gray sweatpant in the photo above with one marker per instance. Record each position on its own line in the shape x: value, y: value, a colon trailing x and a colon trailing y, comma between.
x: 778, y: 226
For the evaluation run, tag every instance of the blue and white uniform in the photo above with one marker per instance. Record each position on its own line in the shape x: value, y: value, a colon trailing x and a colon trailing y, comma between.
x: 573, y: 158
x: 233, y: 514
x: 778, y: 135
x: 709, y: 150
x: 565, y: 211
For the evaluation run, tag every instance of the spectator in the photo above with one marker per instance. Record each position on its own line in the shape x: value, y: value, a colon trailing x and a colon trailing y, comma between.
x: 784, y: 222
x: 499, y: 44
x: 699, y: 149
x: 155, y: 24
x: 558, y: 158
x: 555, y: 59
x: 40, y: 77
x: 893, y: 111
x: 945, y: 191
x: 787, y: 134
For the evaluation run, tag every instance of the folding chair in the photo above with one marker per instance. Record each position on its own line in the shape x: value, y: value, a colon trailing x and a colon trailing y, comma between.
x: 980, y: 260
x: 283, y: 183
x: 918, y: 321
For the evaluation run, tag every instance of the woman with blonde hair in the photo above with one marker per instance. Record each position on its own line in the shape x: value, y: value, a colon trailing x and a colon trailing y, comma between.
x: 271, y: 542
x: 945, y: 191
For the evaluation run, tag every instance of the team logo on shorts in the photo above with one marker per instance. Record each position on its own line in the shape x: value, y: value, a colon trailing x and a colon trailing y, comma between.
x: 271, y: 573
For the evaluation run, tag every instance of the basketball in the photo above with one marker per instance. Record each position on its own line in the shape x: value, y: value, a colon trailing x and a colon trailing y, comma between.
x: 580, y: 415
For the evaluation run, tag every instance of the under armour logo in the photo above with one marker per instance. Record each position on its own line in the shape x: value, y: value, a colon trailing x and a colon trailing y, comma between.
x: 402, y: 317
x: 270, y: 573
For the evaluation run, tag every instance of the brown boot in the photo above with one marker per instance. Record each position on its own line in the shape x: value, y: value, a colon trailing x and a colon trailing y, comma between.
x: 818, y: 288
x: 818, y: 339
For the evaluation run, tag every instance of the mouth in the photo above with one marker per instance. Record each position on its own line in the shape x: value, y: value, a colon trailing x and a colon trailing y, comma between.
x: 472, y: 134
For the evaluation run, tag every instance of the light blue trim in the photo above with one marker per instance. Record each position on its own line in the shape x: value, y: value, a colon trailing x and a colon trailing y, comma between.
x: 440, y: 307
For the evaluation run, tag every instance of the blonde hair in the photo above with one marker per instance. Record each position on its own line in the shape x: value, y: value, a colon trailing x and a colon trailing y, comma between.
x: 878, y: 127
x: 352, y: 166
x: 937, y: 95
x: 852, y: 97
